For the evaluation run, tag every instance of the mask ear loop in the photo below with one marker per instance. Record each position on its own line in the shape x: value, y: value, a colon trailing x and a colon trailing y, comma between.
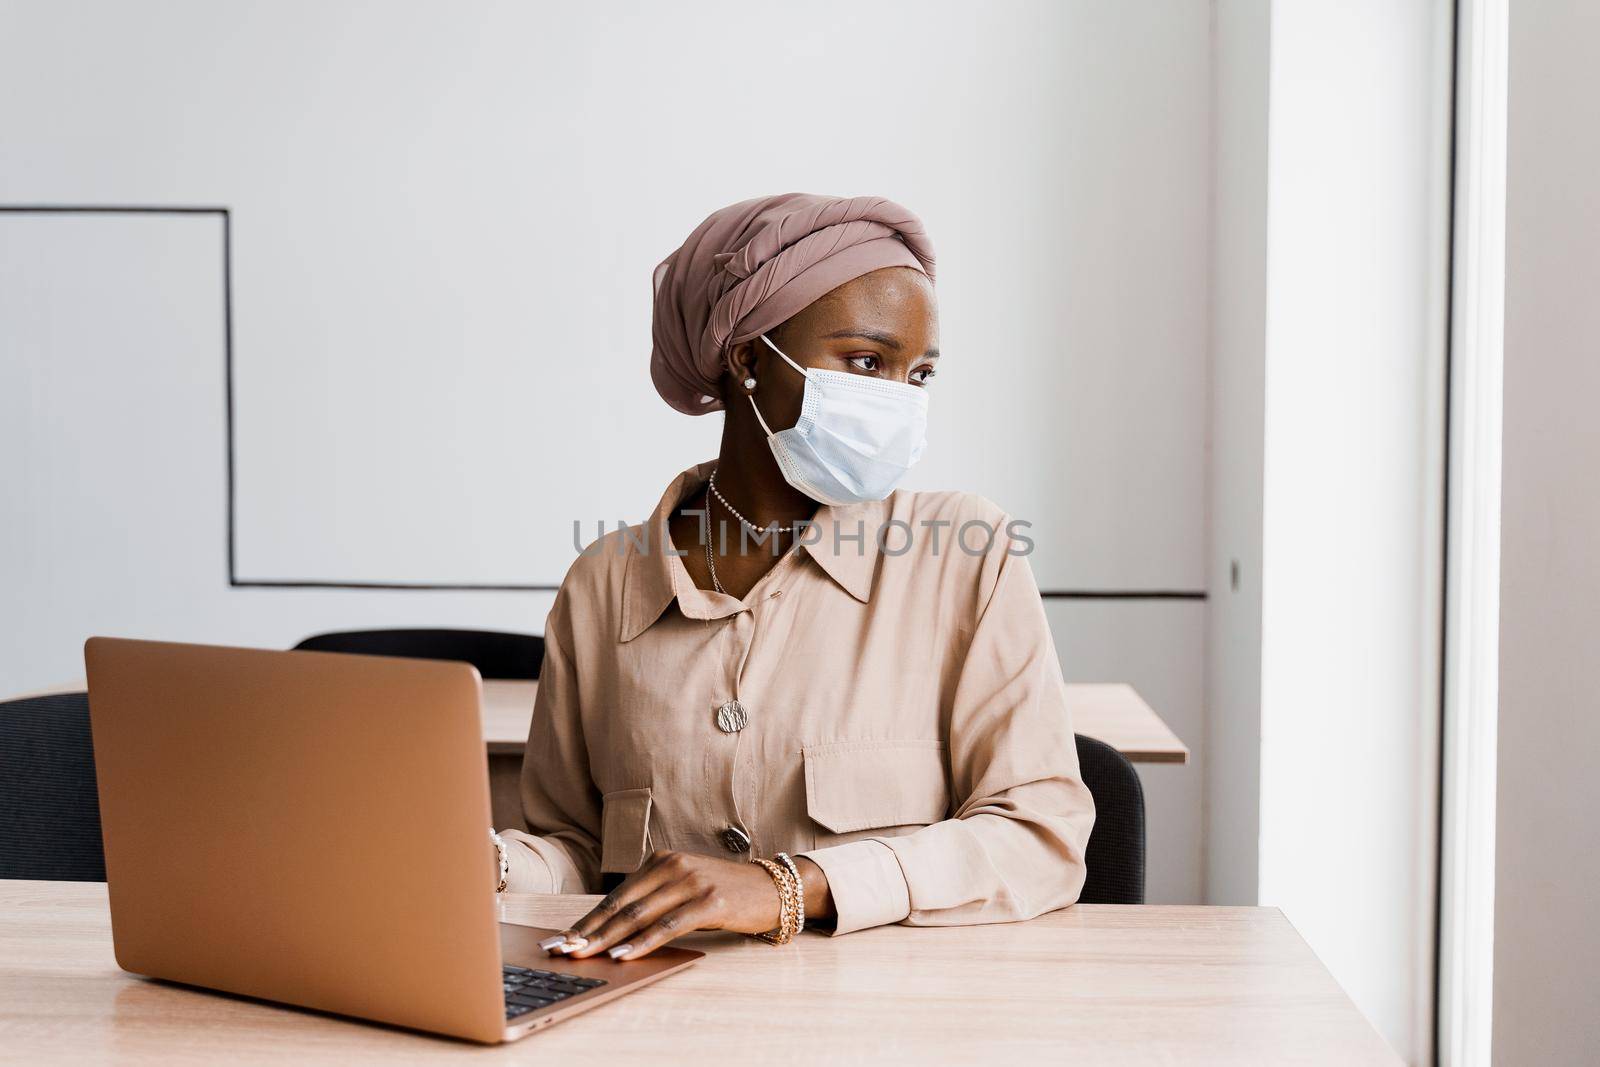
x: 767, y: 429
x: 786, y: 359
x: 764, y: 427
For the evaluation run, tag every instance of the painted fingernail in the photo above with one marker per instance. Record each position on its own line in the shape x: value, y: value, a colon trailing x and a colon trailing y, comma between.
x: 551, y: 942
x: 574, y: 944
x: 616, y: 951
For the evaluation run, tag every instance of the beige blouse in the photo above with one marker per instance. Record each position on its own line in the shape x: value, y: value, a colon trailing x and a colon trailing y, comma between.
x: 903, y: 721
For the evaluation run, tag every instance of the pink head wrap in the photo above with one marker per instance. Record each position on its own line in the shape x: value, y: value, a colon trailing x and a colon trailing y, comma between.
x: 753, y: 265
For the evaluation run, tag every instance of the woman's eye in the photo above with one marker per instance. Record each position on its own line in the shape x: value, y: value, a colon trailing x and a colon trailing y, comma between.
x: 922, y: 375
x: 870, y: 364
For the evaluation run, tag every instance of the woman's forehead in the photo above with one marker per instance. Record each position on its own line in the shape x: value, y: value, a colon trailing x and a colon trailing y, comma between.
x: 894, y: 298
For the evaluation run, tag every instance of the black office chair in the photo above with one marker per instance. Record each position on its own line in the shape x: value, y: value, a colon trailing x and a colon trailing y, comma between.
x: 496, y: 654
x: 1115, y: 856
x: 49, y: 805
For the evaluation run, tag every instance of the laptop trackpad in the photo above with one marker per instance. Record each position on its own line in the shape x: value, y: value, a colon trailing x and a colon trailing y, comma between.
x: 519, y: 947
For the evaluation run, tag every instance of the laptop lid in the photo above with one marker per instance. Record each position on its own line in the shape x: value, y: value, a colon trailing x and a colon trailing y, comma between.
x: 304, y: 827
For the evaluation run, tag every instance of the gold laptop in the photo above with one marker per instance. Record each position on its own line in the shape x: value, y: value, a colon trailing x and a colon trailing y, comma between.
x: 312, y: 828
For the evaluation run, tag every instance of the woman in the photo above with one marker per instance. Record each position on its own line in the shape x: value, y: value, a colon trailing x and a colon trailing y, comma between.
x: 789, y: 657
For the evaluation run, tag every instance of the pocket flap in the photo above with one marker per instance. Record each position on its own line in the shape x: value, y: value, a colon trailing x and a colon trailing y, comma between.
x: 624, y: 830
x: 860, y: 785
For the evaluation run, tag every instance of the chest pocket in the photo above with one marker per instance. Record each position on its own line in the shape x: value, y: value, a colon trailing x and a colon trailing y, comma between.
x: 624, y: 830
x: 869, y: 785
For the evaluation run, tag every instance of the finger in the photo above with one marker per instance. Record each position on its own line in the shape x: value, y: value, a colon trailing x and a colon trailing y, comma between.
x: 564, y: 942
x: 634, y: 917
x: 696, y: 915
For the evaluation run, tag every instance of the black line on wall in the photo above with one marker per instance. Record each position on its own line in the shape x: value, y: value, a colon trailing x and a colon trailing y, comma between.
x: 490, y: 587
x: 453, y: 587
x: 227, y: 377
x: 445, y: 587
x: 108, y: 209
x: 1123, y: 594
x: 1445, y: 554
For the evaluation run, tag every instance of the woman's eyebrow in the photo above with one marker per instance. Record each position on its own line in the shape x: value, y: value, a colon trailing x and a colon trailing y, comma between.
x: 878, y: 336
x: 889, y: 340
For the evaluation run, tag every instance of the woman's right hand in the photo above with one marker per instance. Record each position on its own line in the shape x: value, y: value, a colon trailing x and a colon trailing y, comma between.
x: 671, y: 894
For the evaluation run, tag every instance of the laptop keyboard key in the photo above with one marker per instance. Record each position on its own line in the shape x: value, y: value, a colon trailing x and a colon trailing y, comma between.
x: 528, y: 989
x: 528, y: 1002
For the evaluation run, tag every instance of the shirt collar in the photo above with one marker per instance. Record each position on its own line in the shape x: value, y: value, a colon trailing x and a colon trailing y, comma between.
x: 843, y: 542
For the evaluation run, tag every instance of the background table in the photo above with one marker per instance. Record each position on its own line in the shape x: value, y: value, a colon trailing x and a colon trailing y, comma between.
x: 1112, y: 712
x: 1091, y: 985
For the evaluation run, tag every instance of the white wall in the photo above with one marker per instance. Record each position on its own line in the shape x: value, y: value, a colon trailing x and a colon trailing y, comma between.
x: 446, y: 216
x: 1357, y: 236
x: 1240, y: 80
x: 1547, y: 937
x: 444, y: 219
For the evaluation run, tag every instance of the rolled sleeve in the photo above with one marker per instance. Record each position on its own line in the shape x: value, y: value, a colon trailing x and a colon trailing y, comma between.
x: 866, y: 882
x: 538, y: 865
x: 561, y: 853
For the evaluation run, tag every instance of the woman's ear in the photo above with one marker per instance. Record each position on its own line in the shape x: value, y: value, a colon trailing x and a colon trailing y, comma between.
x: 742, y: 367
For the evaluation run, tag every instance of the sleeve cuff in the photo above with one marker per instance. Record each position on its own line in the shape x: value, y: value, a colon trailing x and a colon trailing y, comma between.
x: 531, y: 869
x: 866, y: 882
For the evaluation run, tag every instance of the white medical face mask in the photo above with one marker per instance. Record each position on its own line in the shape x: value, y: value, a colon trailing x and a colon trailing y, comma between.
x: 856, y: 438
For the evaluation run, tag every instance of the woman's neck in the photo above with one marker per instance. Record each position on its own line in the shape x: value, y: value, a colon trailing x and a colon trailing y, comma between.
x: 748, y: 478
x: 757, y: 490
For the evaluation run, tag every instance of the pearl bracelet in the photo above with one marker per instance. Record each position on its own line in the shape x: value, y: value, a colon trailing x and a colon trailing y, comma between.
x: 500, y: 853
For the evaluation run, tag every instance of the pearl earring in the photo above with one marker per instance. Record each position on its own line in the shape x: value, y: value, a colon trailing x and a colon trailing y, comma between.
x: 749, y: 383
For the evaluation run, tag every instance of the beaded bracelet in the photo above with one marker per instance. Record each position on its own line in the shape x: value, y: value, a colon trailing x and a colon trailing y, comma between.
x: 799, y: 889
x: 788, y: 904
x: 500, y: 854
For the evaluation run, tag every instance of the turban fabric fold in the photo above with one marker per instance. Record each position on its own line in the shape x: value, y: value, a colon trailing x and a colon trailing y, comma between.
x: 753, y: 265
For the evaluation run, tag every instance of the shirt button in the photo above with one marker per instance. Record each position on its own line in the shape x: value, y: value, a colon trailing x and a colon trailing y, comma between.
x: 735, y: 840
x: 732, y: 717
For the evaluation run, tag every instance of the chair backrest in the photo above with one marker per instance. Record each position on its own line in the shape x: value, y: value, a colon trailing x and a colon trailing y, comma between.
x: 1115, y: 856
x: 496, y: 654
x: 49, y: 806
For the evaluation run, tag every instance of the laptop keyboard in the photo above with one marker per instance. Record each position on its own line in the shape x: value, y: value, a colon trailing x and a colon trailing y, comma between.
x: 528, y: 989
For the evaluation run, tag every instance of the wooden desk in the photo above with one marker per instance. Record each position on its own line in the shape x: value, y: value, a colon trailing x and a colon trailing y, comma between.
x: 1112, y: 712
x: 1091, y: 984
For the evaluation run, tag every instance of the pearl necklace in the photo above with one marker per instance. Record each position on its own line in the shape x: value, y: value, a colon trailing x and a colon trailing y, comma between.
x: 711, y: 559
x: 748, y: 525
